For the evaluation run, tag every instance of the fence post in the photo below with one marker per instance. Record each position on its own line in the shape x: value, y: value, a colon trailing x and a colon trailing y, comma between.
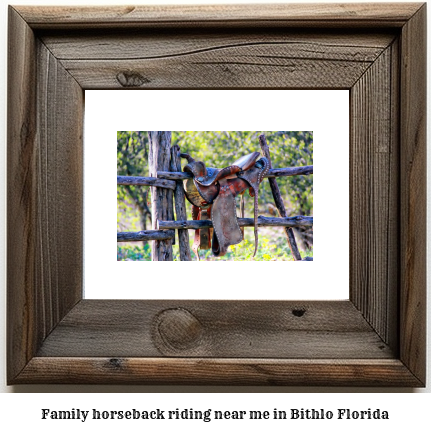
x: 180, y: 206
x: 161, y: 199
x: 279, y: 201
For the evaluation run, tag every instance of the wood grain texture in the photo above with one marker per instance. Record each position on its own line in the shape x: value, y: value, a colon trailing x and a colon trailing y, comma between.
x: 59, y: 245
x: 254, y: 65
x: 198, y: 371
x: 21, y: 194
x: 146, y: 235
x: 413, y: 194
x: 393, y: 225
x: 45, y: 179
x: 290, y: 171
x: 374, y: 195
x: 243, y: 329
x: 145, y: 181
x: 344, y: 46
x: 180, y: 206
x: 162, y: 206
x: 375, y: 50
x: 294, y: 15
x: 203, y: 58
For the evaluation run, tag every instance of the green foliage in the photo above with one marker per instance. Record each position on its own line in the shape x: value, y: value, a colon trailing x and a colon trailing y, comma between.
x: 267, y: 251
x: 132, y: 201
x: 132, y: 153
x: 135, y: 252
x: 128, y: 216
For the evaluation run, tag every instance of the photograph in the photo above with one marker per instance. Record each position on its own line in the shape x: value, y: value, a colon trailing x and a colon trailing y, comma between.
x: 239, y: 204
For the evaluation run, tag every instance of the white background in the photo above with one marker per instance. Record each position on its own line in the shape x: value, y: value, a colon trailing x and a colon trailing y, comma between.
x: 23, y: 410
x: 320, y: 111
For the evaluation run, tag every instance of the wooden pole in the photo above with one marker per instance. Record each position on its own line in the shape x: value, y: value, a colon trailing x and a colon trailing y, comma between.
x: 161, y: 199
x: 296, y: 221
x: 145, y: 181
x: 146, y: 235
x: 279, y: 201
x: 180, y: 206
x: 275, y: 172
x: 290, y: 171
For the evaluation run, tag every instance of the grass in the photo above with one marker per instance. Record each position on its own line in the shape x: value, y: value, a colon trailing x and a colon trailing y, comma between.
x: 273, y: 248
x: 134, y: 253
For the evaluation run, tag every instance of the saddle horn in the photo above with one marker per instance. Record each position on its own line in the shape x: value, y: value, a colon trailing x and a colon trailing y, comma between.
x: 187, y: 156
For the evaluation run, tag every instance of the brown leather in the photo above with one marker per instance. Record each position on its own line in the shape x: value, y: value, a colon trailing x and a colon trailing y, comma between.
x: 213, y: 191
x: 198, y: 195
x: 197, y: 241
x: 202, y: 236
x: 226, y: 229
x: 205, y: 214
x: 208, y: 176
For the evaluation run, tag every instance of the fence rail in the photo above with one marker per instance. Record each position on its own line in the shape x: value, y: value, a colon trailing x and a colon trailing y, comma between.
x: 146, y: 181
x: 274, y: 172
x: 166, y: 229
x: 166, y: 179
x: 296, y: 221
x: 145, y: 235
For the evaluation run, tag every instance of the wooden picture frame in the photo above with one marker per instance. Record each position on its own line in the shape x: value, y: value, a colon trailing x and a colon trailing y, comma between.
x: 376, y: 338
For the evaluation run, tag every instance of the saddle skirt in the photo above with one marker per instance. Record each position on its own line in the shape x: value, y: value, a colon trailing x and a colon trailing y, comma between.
x: 212, y: 193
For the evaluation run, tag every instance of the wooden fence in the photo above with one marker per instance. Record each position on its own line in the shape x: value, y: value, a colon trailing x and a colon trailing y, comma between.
x: 167, y: 192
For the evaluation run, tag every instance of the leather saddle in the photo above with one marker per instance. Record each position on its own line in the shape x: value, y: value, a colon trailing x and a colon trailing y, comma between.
x: 212, y: 193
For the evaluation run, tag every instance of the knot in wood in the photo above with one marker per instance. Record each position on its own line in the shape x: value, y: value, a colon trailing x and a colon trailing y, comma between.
x: 178, y: 329
x: 131, y: 79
